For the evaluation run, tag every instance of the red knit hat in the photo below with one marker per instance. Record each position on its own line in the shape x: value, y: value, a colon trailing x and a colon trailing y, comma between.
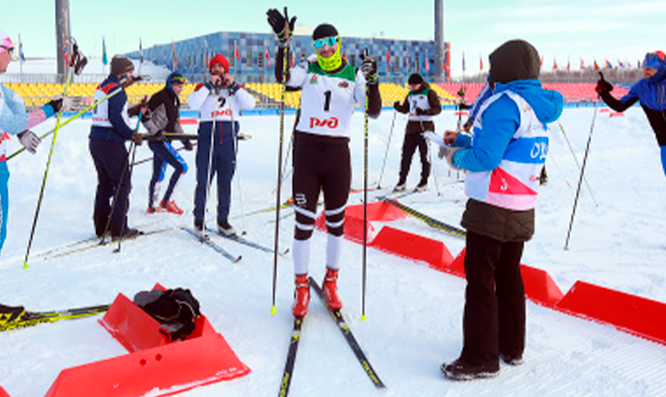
x: 221, y: 59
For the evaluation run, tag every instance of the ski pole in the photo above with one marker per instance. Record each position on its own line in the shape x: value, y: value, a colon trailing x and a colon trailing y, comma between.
x: 582, y: 171
x: 238, y: 181
x: 209, y: 171
x: 577, y: 163
x: 381, y: 174
x: 131, y: 168
x: 46, y: 173
x: 69, y: 120
x: 283, y: 83
x: 365, y: 196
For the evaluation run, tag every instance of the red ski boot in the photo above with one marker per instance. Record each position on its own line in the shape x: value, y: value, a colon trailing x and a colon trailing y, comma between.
x: 171, y: 207
x: 330, y: 288
x: 301, y: 296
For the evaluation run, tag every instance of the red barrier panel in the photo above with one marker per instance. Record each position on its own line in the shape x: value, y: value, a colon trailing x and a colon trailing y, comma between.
x: 638, y: 316
x: 188, y: 121
x: 3, y: 393
x: 540, y: 287
x: 616, y: 114
x: 379, y: 211
x: 413, y: 246
x: 457, y: 267
x: 161, y: 371
x: 155, y: 366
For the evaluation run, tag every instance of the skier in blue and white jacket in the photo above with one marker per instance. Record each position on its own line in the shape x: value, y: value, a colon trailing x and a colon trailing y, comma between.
x: 503, y: 161
x: 15, y: 120
x: 650, y: 92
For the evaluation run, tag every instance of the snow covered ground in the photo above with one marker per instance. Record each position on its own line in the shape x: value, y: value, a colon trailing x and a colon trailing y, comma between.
x: 414, y: 313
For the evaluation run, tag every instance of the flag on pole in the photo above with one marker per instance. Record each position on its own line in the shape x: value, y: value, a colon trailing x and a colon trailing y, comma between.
x: 65, y: 53
x: 21, y: 54
x: 568, y: 64
x: 554, y: 63
x: 596, y: 66
x: 175, y: 58
x: 105, y: 60
x: 389, y: 64
x: 608, y: 65
x: 236, y: 52
x: 292, y: 59
x: 427, y: 62
x: 480, y: 63
x: 268, y: 57
x: 582, y: 64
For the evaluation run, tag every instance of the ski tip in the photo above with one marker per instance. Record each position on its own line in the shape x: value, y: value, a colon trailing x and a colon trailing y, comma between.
x: 273, y: 310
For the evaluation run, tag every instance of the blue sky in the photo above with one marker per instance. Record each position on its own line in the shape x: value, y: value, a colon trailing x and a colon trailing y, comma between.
x: 591, y: 29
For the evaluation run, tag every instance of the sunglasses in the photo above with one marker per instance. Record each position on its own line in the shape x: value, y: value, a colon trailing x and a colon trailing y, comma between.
x: 329, y: 41
x: 178, y: 80
x: 8, y: 49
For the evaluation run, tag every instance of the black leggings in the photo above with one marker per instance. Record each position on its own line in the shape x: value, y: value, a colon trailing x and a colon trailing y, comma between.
x: 321, y: 163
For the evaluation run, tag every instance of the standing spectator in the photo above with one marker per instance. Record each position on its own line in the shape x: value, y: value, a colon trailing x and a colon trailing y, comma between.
x: 219, y: 101
x: 110, y: 129
x: 164, y: 105
x: 14, y: 120
x: 503, y: 161
x: 321, y: 160
x: 650, y: 92
x: 421, y: 103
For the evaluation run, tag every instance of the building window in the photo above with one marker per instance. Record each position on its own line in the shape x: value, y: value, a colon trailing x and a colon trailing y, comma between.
x: 250, y: 59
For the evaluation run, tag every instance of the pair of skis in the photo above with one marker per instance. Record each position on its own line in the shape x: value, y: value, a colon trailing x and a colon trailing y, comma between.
x: 21, y: 319
x: 205, y: 239
x: 346, y: 332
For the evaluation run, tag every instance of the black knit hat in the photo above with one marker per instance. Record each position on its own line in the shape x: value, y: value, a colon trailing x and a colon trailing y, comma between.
x: 514, y: 60
x: 415, y: 78
x: 324, y: 30
x: 121, y: 65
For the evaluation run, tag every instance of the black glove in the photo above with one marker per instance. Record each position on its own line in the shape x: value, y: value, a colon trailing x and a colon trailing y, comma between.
x: 603, y: 86
x: 278, y: 21
x: 461, y: 92
x: 463, y: 106
x: 59, y: 103
x: 419, y: 111
x: 369, y: 67
x: 136, y: 109
x: 396, y: 105
x: 187, y: 145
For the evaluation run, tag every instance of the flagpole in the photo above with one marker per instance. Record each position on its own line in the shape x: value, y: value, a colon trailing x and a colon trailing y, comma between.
x: 20, y: 58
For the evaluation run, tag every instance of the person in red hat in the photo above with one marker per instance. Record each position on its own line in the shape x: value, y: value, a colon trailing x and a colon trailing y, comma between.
x: 219, y: 102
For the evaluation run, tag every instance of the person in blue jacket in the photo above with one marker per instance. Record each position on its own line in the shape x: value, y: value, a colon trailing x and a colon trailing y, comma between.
x: 110, y: 129
x: 650, y: 92
x: 503, y: 160
x: 15, y: 120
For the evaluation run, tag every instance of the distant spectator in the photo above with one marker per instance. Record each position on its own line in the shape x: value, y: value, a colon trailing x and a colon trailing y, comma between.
x: 421, y: 103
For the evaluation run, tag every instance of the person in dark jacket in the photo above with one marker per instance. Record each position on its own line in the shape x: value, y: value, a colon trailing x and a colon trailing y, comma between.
x: 503, y: 161
x: 110, y: 129
x: 421, y: 103
x: 650, y: 92
x: 166, y: 103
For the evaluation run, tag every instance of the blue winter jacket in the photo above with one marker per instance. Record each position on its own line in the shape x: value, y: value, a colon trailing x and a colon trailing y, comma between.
x: 501, y: 120
x: 120, y: 131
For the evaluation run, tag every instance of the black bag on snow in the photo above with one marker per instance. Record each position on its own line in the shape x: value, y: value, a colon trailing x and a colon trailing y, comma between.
x: 175, y: 309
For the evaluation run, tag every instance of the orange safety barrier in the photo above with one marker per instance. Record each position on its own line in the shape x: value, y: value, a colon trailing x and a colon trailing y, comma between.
x: 3, y: 393
x: 638, y: 316
x: 379, y: 211
x: 413, y: 246
x: 154, y: 366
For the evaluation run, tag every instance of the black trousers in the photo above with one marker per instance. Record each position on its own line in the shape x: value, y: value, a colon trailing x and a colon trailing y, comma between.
x: 321, y: 164
x: 113, y: 180
x: 409, y: 145
x: 494, y: 316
